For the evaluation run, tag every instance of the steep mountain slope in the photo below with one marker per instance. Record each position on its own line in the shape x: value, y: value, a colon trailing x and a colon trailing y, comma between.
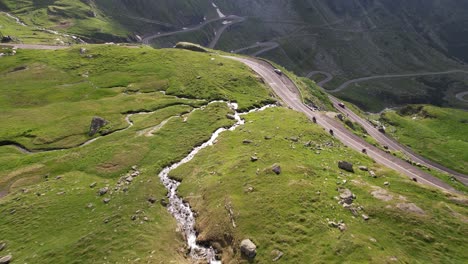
x: 89, y: 128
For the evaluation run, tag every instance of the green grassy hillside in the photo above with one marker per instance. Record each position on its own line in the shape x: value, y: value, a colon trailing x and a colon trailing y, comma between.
x: 81, y: 18
x: 439, y: 134
x: 292, y: 212
x: 48, y: 99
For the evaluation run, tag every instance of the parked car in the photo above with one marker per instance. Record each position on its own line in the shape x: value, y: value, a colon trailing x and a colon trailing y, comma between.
x: 278, y: 71
x: 341, y: 105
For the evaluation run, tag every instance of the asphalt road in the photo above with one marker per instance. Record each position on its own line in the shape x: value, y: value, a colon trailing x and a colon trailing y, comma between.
x: 392, y: 144
x: 236, y: 19
x: 289, y: 93
x: 348, y: 83
x: 269, y: 45
x: 328, y: 76
x: 461, y: 96
x: 233, y: 20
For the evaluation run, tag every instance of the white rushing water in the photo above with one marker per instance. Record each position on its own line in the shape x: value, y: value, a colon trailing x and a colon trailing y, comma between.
x: 220, y: 14
x: 182, y: 211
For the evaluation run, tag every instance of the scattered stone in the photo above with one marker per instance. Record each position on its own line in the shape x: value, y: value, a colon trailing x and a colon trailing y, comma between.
x: 106, y: 200
x: 82, y: 51
x: 106, y: 221
x: 268, y: 137
x: 129, y: 179
x: 294, y: 139
x: 249, y: 189
x: 90, y: 205
x: 60, y: 193
x: 163, y: 202
x: 253, y: 158
x: 2, y: 246
x: 134, y: 217
x: 231, y: 116
x: 276, y: 169
x: 393, y: 258
x: 248, y: 248
x: 365, y: 217
x: 6, y: 259
x: 199, y: 77
x: 103, y: 191
x: 308, y: 144
x: 373, y: 240
x: 342, y: 227
x: 58, y: 177
x: 410, y: 207
x: 382, y: 194
x: 96, y: 124
x: 363, y: 168
x: 125, y: 189
x: 276, y: 255
x: 152, y: 200
x: 386, y: 183
x: 12, y: 211
x: 346, y: 196
x: 134, y: 167
x: 347, y: 166
x: 92, y: 185
x: 372, y: 174
x: 246, y: 141
x: 146, y: 219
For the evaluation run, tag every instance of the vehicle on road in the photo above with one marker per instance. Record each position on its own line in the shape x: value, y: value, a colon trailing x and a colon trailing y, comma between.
x: 331, y: 132
x: 364, y: 151
x: 278, y: 71
x: 341, y: 105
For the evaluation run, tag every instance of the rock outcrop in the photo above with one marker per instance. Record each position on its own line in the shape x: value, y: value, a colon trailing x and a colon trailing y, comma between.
x: 347, y: 166
x: 96, y: 124
x: 248, y: 248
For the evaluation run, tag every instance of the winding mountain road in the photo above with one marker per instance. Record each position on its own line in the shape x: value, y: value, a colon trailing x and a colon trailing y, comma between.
x: 392, y: 144
x: 233, y: 18
x: 290, y: 95
x: 227, y: 23
x: 348, y: 83
x: 267, y: 46
x: 328, y: 77
x: 461, y: 96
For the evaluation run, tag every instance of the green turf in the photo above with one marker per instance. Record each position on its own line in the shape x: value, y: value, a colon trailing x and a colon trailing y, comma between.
x: 439, y: 134
x: 289, y: 212
x: 110, y: 82
x: 75, y: 17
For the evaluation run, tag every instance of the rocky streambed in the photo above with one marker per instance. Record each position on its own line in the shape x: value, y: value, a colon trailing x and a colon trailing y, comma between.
x: 182, y: 210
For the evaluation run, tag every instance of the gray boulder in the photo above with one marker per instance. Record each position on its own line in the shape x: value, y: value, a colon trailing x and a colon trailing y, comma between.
x: 347, y: 166
x: 96, y: 124
x: 276, y: 169
x: 248, y: 248
x: 346, y: 196
x: 6, y: 259
x: 103, y: 191
x: 363, y: 168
